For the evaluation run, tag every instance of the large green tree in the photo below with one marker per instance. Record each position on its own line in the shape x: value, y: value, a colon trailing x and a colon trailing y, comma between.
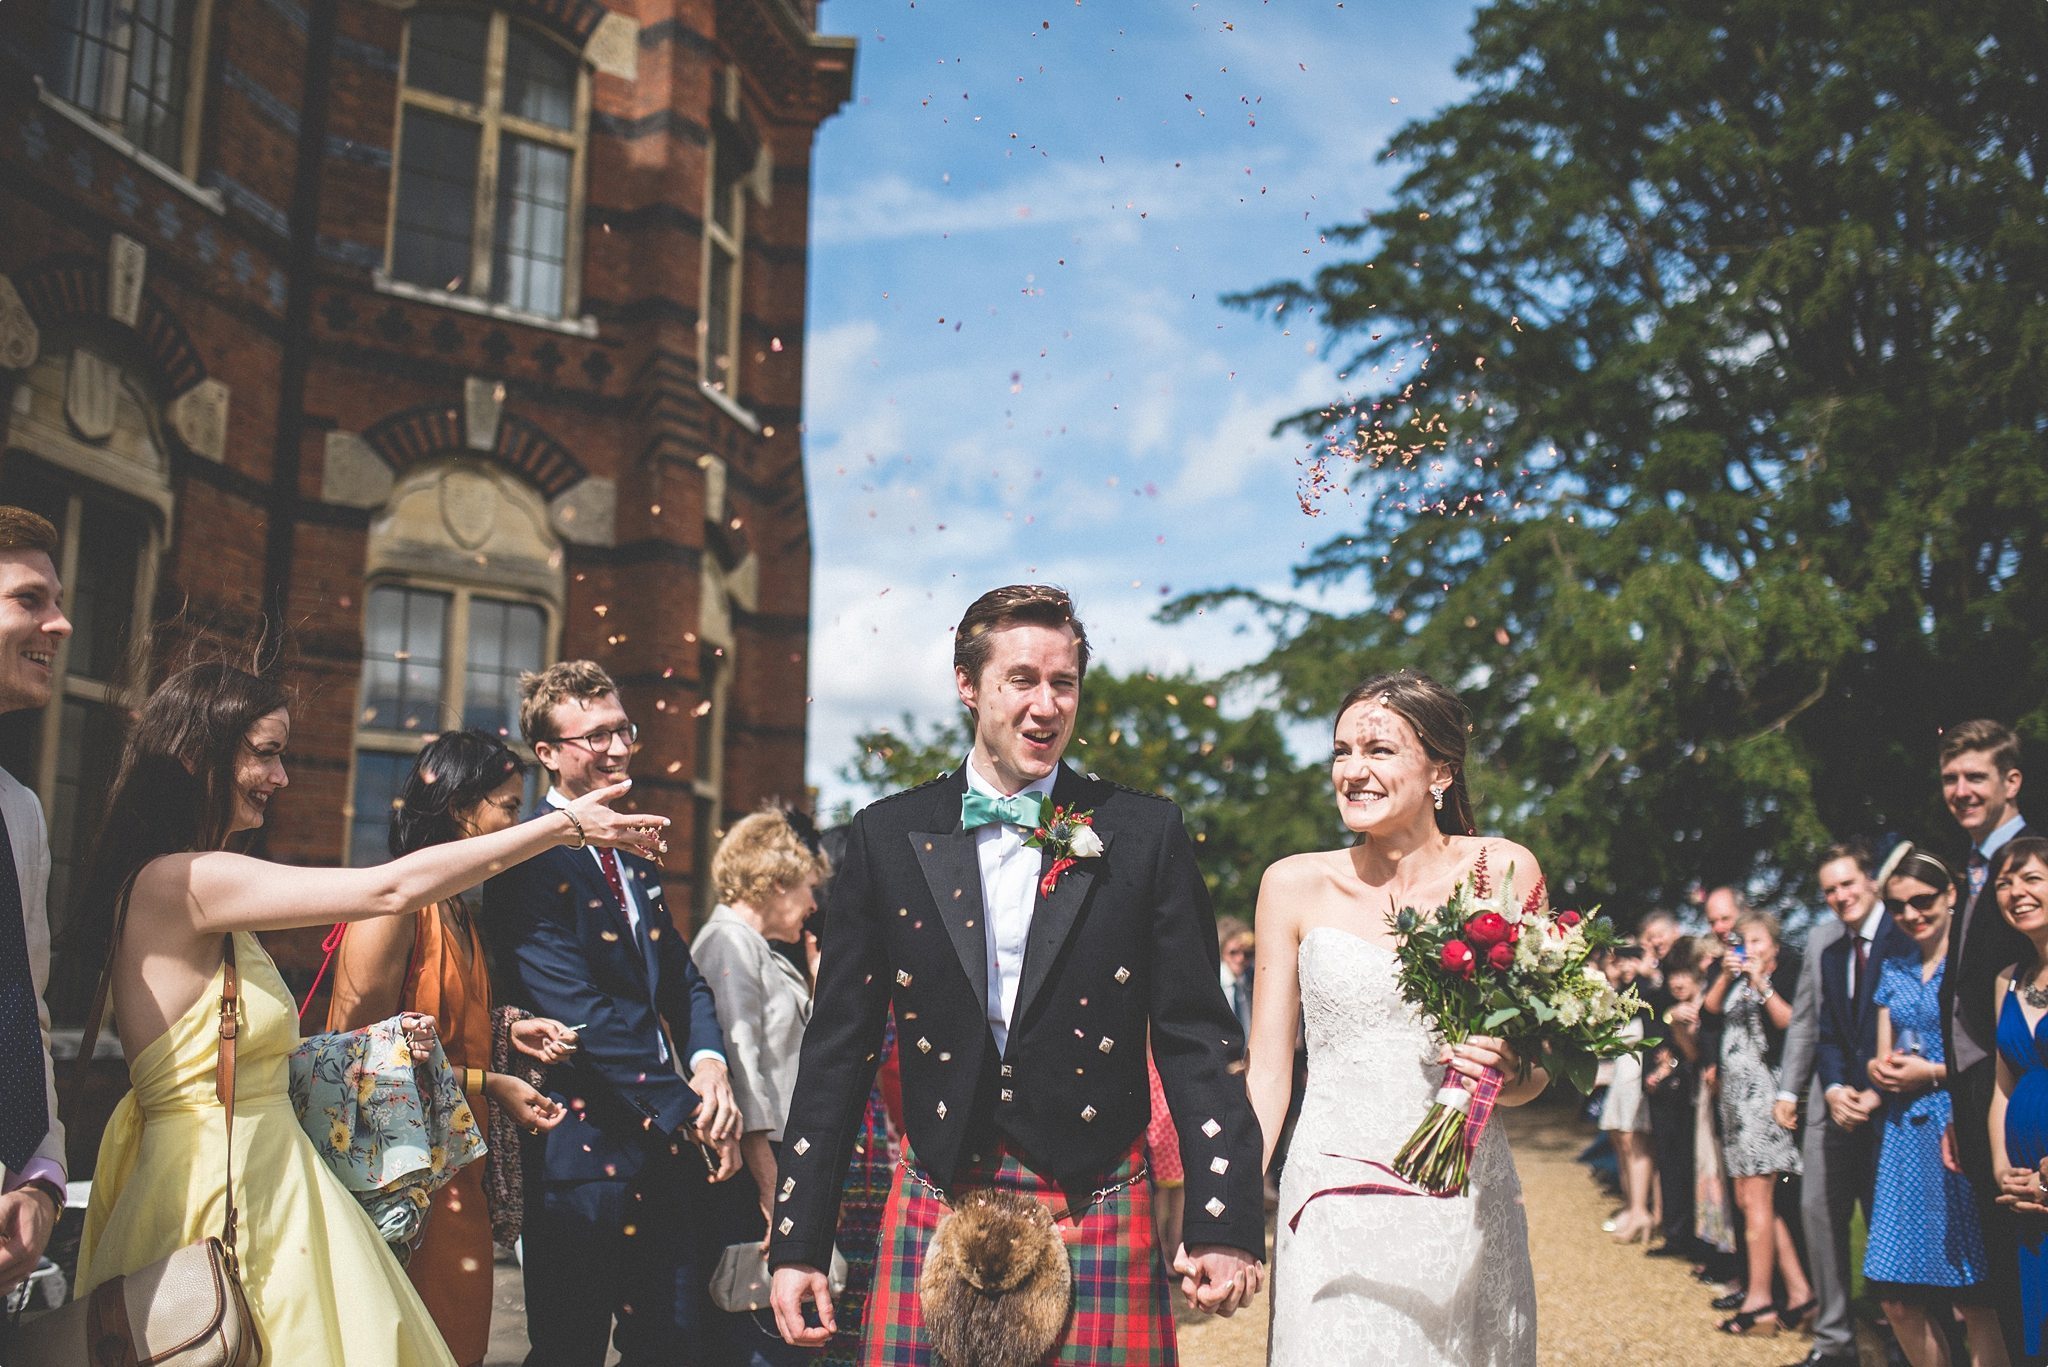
x: 1246, y: 801
x: 1700, y: 372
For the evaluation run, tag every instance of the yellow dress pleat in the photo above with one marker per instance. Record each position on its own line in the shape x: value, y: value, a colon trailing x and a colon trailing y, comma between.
x: 322, y: 1285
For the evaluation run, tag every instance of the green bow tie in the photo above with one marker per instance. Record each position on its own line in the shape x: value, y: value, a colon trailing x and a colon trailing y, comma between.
x: 1023, y: 809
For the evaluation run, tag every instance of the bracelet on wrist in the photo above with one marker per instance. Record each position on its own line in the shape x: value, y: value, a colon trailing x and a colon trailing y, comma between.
x: 581, y: 839
x: 473, y: 1081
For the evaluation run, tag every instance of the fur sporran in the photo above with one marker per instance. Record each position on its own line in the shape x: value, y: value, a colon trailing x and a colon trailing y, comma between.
x: 997, y: 1285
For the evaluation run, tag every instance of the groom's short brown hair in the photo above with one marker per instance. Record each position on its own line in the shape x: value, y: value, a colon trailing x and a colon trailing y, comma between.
x: 1013, y: 605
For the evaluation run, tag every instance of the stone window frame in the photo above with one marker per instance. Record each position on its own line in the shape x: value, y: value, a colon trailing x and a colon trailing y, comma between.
x: 454, y: 672
x: 195, y: 17
x: 726, y: 248
x: 490, y: 116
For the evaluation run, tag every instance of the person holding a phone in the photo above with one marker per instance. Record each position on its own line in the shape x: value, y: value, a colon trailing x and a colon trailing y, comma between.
x: 1926, y: 1248
x: 1753, y: 1000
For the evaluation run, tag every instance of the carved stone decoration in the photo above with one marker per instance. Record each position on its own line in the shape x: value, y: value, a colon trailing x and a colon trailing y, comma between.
x: 483, y: 402
x: 587, y: 512
x: 92, y: 393
x: 21, y: 341
x: 200, y: 418
x: 469, y: 507
x: 353, y: 475
x: 614, y: 47
x: 127, y: 263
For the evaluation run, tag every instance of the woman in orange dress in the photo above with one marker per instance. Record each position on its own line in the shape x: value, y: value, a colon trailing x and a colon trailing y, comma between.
x: 465, y: 783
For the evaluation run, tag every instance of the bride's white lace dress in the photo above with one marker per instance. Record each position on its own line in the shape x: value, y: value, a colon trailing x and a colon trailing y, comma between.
x: 1399, y: 1280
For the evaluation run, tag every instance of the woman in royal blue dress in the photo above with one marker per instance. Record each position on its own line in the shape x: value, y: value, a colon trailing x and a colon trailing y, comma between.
x: 1925, y: 1254
x: 2018, y: 878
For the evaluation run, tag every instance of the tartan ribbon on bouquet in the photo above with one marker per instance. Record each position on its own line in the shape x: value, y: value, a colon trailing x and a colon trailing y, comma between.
x: 1474, y: 1100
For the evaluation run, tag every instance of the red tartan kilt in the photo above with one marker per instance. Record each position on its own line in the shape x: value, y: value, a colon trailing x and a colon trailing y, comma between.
x: 1122, y: 1312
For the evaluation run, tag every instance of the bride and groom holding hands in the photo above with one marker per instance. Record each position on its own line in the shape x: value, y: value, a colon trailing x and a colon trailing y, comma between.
x: 1036, y: 932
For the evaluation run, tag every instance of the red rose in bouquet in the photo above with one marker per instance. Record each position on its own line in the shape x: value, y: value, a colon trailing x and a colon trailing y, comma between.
x: 1487, y: 928
x: 1568, y: 919
x: 1501, y: 956
x: 1457, y: 957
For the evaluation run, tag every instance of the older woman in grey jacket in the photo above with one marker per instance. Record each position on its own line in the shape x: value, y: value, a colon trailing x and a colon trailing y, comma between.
x: 767, y: 879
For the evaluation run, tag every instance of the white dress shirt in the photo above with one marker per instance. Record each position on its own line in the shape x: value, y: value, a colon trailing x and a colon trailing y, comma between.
x: 1009, y: 897
x: 31, y: 854
x: 595, y: 854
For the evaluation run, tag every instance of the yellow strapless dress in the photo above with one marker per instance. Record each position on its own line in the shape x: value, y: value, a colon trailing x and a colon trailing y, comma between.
x: 323, y: 1287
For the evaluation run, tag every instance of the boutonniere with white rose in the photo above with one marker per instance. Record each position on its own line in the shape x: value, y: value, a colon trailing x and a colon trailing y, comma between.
x: 1070, y: 835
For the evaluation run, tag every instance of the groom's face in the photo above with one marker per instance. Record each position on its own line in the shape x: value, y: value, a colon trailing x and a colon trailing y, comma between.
x: 1024, y: 702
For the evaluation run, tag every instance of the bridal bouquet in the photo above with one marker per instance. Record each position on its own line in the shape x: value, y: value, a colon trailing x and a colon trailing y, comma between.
x: 1483, y: 964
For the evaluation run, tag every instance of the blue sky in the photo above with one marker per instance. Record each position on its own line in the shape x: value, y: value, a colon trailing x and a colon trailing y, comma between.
x: 1018, y: 364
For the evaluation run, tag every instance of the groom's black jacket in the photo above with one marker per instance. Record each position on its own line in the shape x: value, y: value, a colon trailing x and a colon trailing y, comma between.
x: 1125, y: 942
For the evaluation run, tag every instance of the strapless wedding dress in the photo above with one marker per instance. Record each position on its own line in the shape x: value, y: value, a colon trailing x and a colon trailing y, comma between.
x: 1394, y: 1280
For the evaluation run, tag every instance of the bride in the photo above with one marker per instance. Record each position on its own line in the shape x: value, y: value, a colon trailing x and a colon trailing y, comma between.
x: 1388, y: 1277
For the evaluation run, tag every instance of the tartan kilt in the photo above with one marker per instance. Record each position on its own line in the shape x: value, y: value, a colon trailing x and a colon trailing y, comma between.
x: 1122, y: 1315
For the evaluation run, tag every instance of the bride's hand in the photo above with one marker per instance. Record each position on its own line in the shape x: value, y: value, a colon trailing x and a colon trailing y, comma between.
x: 1478, y: 1053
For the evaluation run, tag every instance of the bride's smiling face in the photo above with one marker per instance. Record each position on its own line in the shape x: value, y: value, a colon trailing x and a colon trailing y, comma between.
x: 1380, y: 771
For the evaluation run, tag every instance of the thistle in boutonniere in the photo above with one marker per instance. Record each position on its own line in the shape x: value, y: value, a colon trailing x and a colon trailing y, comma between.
x: 1070, y: 835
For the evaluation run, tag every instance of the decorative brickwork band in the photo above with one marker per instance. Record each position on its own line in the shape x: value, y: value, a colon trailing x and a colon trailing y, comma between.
x: 72, y: 287
x: 434, y: 430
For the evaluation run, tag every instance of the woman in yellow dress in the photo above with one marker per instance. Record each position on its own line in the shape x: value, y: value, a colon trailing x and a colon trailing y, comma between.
x: 201, y: 767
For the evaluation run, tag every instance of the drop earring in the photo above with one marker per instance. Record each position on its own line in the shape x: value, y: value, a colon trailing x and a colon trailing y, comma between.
x: 1436, y: 795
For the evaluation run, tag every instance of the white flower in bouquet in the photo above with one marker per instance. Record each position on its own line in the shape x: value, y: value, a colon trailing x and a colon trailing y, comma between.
x: 1086, y: 844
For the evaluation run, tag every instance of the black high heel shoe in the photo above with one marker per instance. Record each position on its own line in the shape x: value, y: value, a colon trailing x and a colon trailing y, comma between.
x: 1798, y: 1317
x: 1752, y: 1321
x: 1732, y: 1301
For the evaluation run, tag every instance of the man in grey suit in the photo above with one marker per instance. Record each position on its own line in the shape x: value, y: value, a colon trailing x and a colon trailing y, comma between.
x: 1825, y: 1049
x: 32, y: 628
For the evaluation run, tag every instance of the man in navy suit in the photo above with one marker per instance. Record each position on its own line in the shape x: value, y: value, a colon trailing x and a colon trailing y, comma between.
x: 1827, y: 1049
x: 1980, y: 785
x: 614, y: 1194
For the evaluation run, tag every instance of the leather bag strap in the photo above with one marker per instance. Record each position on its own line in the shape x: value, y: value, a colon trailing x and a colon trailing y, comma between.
x: 224, y: 1088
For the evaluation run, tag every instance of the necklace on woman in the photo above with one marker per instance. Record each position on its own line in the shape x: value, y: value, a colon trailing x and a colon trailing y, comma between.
x: 2036, y: 997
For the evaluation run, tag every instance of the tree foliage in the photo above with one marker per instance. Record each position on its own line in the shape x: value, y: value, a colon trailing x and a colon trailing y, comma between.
x: 1701, y: 375
x: 1245, y: 799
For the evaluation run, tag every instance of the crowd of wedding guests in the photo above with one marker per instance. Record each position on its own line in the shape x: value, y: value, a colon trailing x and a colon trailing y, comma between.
x: 1871, y: 1109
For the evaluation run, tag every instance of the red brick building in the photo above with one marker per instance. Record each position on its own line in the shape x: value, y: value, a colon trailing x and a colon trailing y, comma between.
x: 453, y: 337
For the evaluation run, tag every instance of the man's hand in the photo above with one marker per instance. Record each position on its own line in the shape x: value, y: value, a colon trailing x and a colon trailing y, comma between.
x: 795, y: 1284
x: 717, y: 1116
x: 1846, y: 1107
x: 728, y: 1151
x: 1786, y: 1113
x: 27, y: 1216
x: 1215, y: 1279
x: 1948, y: 1149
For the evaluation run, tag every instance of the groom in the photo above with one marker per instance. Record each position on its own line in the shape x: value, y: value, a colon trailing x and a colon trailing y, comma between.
x: 1025, y: 982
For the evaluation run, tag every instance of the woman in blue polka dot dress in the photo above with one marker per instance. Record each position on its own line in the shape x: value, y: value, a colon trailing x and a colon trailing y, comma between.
x: 1926, y: 1248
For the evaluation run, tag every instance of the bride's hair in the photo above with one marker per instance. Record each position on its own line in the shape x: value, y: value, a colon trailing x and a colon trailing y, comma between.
x: 1441, y: 723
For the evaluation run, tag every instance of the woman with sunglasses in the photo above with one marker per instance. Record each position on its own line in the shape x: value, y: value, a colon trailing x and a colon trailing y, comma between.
x: 2018, y: 877
x: 1925, y: 1254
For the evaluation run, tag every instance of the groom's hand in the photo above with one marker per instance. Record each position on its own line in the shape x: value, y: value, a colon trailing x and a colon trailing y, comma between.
x: 795, y: 1284
x: 1217, y: 1280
